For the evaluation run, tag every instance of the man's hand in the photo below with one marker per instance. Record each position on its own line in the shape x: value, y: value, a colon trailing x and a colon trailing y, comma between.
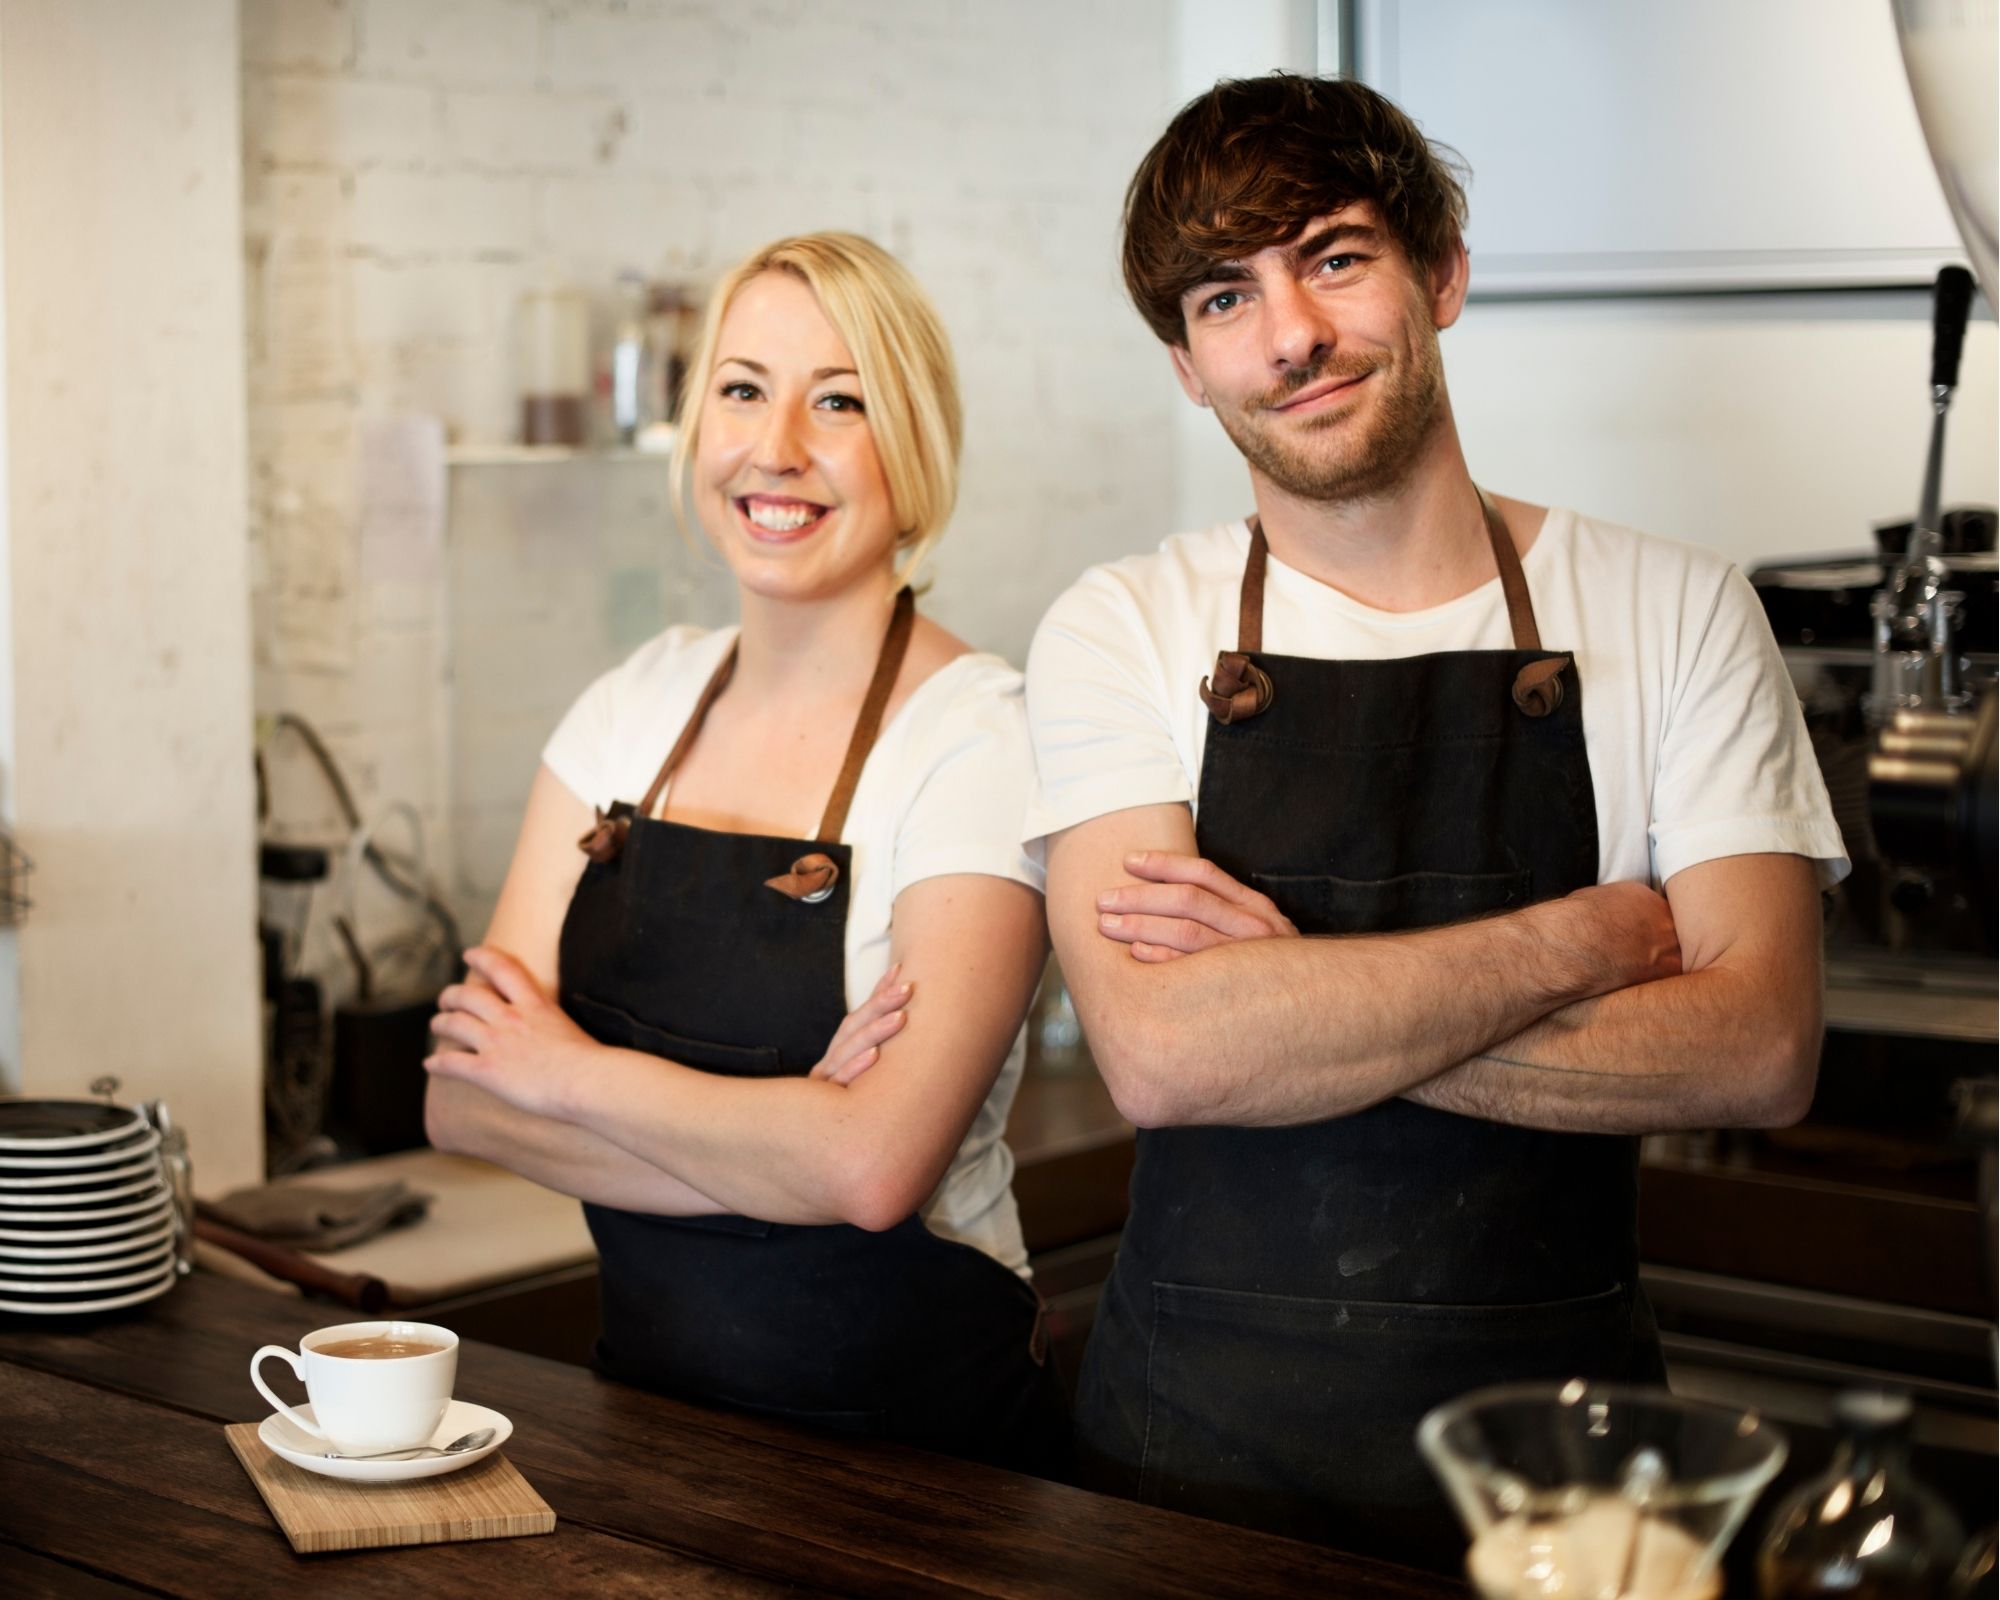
x: 1183, y: 904
x: 1626, y: 934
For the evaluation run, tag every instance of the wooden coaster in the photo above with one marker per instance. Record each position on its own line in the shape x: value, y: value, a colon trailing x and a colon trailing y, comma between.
x: 487, y: 1501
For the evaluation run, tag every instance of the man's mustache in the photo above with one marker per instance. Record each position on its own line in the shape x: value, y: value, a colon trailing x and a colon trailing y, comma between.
x: 1330, y: 365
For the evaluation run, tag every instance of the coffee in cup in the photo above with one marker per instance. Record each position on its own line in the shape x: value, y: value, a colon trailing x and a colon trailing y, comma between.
x: 374, y: 1386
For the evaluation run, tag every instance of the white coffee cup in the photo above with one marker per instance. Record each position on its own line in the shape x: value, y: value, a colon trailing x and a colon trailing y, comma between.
x: 365, y: 1404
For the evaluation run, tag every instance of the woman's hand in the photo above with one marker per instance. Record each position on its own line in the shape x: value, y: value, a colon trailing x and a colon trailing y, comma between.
x: 857, y: 1042
x: 1183, y: 905
x: 503, y: 1034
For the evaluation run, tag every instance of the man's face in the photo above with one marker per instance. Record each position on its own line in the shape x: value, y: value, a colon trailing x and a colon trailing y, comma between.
x: 1320, y: 356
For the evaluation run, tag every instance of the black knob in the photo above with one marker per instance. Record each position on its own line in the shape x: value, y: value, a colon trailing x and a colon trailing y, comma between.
x: 1950, y: 305
x: 1912, y: 896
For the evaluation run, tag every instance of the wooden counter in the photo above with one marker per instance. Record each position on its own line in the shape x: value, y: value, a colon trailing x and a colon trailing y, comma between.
x: 115, y: 1478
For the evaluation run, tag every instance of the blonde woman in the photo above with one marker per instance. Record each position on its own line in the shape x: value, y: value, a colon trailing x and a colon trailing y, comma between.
x: 765, y: 1019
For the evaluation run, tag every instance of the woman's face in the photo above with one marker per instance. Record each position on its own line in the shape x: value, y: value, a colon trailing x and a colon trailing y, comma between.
x: 786, y: 479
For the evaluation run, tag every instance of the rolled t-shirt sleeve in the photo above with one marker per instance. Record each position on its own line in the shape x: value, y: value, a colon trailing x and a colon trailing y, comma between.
x: 1098, y: 712
x: 974, y: 773
x: 1737, y: 774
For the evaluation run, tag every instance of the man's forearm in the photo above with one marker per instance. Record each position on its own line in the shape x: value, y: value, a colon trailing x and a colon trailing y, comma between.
x: 1710, y: 1049
x: 1274, y: 1032
x: 558, y: 1155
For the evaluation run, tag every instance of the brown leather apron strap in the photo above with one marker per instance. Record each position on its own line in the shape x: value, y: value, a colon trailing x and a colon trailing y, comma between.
x: 1239, y: 689
x: 1538, y: 687
x: 607, y: 837
x: 814, y: 874
x: 895, y: 644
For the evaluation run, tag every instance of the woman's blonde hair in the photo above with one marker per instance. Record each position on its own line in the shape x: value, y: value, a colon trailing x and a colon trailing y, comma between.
x: 908, y: 380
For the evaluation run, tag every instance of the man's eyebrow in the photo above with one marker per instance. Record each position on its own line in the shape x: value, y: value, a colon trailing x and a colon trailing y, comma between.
x: 820, y: 374
x: 1334, y: 233
x: 1219, y: 272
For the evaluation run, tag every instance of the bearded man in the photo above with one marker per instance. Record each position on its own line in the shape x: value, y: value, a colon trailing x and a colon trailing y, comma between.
x: 1411, y: 850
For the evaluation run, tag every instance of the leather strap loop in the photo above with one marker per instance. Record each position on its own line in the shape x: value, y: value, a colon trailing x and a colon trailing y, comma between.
x: 605, y: 842
x: 1238, y: 690
x: 811, y: 879
x: 1538, y: 687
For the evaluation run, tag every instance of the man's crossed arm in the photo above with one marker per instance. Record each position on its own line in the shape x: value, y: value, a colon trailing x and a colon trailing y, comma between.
x: 1613, y: 1009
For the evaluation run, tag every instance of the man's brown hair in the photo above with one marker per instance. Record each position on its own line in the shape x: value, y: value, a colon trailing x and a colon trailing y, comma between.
x: 1251, y: 162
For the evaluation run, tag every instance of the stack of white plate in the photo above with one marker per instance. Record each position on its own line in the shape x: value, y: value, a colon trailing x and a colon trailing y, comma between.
x: 87, y: 1218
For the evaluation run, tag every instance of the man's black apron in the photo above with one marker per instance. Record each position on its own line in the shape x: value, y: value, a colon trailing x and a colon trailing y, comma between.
x: 725, y: 952
x: 1288, y: 1302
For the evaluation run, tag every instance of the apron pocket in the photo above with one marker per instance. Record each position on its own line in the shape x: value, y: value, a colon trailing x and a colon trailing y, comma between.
x: 608, y: 1024
x: 1326, y: 904
x: 1299, y: 1415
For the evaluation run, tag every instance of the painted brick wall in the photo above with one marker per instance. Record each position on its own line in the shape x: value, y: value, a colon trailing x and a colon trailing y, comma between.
x: 411, y: 166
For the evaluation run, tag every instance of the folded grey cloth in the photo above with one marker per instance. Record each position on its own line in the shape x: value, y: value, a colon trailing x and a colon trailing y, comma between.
x: 317, y: 1217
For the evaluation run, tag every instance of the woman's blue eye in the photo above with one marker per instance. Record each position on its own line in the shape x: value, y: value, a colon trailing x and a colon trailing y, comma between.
x: 738, y: 390
x: 842, y: 402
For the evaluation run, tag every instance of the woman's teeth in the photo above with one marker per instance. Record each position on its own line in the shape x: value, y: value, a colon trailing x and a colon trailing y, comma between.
x: 781, y: 519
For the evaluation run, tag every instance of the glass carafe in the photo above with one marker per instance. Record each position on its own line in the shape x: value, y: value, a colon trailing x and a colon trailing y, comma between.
x: 1867, y: 1528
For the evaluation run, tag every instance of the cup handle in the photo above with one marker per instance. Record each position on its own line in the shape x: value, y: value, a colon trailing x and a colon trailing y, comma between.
x: 291, y: 1360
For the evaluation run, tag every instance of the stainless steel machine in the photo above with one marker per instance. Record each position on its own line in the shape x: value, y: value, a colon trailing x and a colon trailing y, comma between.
x: 1857, y: 1248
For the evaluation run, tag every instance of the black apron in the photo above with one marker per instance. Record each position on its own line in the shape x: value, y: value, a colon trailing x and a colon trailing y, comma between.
x: 1288, y: 1302
x: 725, y: 952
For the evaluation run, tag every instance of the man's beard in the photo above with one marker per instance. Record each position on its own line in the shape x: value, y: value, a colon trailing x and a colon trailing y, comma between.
x: 1365, y: 463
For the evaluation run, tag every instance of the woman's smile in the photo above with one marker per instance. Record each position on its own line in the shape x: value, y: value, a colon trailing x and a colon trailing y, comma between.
x: 780, y: 519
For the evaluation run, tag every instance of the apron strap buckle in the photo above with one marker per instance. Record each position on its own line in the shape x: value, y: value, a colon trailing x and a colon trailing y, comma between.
x: 605, y: 842
x: 810, y: 881
x: 1239, y: 689
x: 1538, y: 687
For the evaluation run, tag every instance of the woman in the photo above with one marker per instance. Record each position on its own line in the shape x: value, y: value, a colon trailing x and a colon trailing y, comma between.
x: 765, y: 1022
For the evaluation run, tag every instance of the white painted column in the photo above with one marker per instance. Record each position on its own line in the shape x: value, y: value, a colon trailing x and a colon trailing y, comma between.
x: 125, y: 764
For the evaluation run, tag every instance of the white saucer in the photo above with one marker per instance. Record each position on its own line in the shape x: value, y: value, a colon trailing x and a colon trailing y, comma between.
x: 151, y: 1216
x: 460, y: 1418
x: 169, y: 1276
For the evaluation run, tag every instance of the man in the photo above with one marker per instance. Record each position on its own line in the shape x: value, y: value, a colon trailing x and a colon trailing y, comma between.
x: 1351, y: 815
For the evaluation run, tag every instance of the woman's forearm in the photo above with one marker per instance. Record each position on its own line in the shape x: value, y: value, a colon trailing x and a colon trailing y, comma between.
x: 465, y: 1120
x: 790, y: 1150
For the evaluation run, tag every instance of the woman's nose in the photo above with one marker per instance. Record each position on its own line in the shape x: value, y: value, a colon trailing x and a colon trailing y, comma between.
x: 781, y: 448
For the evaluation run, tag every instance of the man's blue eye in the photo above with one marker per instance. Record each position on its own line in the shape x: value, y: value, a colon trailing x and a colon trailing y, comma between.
x: 1223, y: 301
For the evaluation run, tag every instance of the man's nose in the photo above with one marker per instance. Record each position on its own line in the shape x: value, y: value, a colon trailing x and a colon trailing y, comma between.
x: 1299, y: 330
x: 781, y: 450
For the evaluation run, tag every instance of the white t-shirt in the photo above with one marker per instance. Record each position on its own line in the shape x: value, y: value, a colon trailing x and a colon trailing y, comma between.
x: 942, y: 792
x: 1696, y: 742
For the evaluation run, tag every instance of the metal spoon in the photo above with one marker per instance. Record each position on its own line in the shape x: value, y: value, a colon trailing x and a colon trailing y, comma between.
x: 423, y: 1452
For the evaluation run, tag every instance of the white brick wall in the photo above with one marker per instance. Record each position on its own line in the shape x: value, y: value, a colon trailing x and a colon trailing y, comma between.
x: 411, y: 165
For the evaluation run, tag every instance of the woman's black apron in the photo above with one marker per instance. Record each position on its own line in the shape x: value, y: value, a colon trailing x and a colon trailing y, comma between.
x: 1288, y: 1302
x: 726, y: 953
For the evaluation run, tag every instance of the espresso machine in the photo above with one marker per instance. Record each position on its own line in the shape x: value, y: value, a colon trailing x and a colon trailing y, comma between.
x: 1856, y: 1249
